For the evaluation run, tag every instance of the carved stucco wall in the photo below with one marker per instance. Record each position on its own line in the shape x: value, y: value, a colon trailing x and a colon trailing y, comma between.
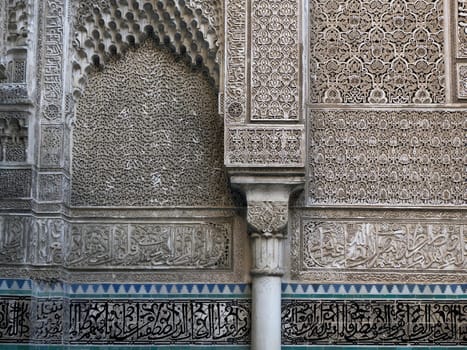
x: 383, y: 147
x: 385, y: 191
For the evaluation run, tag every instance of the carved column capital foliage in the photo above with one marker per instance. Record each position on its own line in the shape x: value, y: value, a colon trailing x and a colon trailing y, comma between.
x: 267, y: 218
x: 106, y: 29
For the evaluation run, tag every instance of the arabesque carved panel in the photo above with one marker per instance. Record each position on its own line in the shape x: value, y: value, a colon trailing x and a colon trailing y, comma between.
x: 383, y: 52
x: 461, y: 29
x: 387, y: 157
x: 15, y: 183
x: 265, y: 146
x: 275, y: 60
x: 13, y: 136
x: 151, y: 246
x: 148, y: 134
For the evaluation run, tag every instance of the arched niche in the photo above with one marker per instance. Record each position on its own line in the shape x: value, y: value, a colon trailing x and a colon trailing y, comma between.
x: 147, y: 134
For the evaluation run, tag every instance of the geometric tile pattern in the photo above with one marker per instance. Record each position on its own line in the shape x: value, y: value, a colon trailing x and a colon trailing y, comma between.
x: 432, y: 291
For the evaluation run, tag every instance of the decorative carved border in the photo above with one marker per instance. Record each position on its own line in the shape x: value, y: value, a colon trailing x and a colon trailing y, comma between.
x: 367, y: 322
x: 101, y: 321
x: 235, y: 100
x: 265, y: 145
x: 100, y: 250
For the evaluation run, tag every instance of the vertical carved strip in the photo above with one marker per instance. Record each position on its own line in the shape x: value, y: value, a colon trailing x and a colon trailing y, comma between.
x: 236, y: 50
x: 51, y: 64
x: 461, y: 29
x: 275, y: 60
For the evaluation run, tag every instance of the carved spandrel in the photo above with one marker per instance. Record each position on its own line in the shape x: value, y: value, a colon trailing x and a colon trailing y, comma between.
x: 192, y: 28
x: 153, y: 246
x: 376, y: 52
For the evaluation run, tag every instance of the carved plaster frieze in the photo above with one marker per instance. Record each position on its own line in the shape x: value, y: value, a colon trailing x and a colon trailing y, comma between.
x: 14, y: 234
x: 47, y: 241
x: 364, y: 246
x: 150, y: 246
x: 376, y: 52
x: 265, y: 146
x: 386, y: 157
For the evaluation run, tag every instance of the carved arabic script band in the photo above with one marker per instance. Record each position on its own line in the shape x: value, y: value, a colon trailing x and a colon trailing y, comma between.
x: 125, y: 321
x: 374, y: 322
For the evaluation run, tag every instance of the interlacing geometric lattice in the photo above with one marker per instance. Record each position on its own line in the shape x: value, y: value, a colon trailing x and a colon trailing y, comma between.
x: 372, y: 51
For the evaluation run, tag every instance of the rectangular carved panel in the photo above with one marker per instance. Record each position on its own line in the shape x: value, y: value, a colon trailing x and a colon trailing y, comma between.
x: 461, y: 29
x: 15, y: 183
x: 366, y: 322
x: 275, y: 59
x: 47, y: 241
x: 13, y: 136
x: 265, y: 146
x: 379, y: 245
x: 51, y: 145
x: 386, y: 157
x: 14, y: 232
x: 384, y: 245
x: 382, y: 52
x: 236, y: 52
x: 51, y: 16
x: 159, y: 322
x: 152, y: 246
x: 15, y: 325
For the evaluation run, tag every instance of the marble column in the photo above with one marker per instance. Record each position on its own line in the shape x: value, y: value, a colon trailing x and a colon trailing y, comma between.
x: 267, y: 217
